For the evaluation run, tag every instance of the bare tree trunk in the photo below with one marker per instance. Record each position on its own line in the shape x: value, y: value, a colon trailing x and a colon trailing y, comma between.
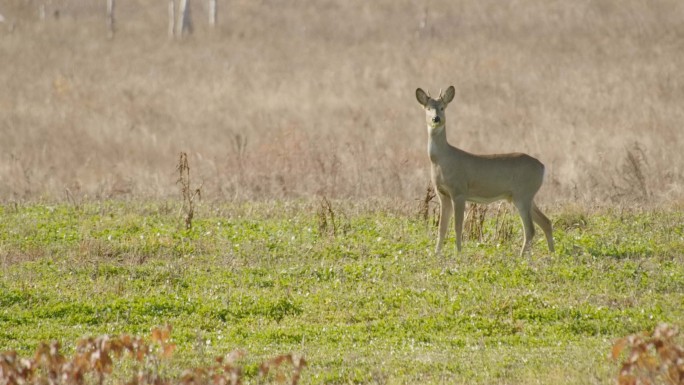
x: 110, y: 19
x: 184, y: 24
x: 212, y: 13
x: 48, y: 10
x: 172, y: 18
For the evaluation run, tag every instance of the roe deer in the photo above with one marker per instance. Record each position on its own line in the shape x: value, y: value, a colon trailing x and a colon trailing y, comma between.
x: 459, y: 176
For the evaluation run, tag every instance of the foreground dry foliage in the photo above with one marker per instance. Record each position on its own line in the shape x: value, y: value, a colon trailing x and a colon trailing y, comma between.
x: 303, y: 99
x: 652, y: 358
x: 94, y: 359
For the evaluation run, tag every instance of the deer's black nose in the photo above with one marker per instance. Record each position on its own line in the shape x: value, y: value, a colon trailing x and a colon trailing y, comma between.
x: 436, y: 119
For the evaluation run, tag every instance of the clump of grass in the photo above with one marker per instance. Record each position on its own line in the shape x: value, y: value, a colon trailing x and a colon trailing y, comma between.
x: 571, y: 218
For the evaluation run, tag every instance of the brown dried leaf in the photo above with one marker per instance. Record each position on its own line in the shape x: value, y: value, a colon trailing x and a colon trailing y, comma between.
x: 618, y: 347
x: 126, y: 341
x: 106, y: 363
x: 667, y: 353
x: 626, y: 368
x: 156, y: 335
x: 649, y: 363
x: 168, y: 350
x: 300, y: 363
x: 627, y: 379
x: 675, y: 375
x: 166, y: 333
x: 263, y: 369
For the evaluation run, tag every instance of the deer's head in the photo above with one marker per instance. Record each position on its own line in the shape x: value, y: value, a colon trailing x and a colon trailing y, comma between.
x: 434, y: 108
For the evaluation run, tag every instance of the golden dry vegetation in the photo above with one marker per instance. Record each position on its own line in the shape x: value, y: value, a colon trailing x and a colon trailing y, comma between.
x: 287, y: 99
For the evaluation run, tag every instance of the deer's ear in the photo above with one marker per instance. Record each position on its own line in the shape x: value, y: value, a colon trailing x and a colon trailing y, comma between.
x: 422, y: 97
x: 448, y: 95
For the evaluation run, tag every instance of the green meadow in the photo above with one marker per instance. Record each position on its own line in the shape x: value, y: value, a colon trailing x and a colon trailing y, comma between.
x: 353, y: 287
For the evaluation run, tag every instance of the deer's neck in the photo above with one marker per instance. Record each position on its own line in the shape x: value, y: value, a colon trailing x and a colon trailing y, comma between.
x: 438, y: 146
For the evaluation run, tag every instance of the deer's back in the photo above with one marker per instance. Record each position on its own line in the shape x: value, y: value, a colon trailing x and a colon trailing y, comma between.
x: 488, y: 177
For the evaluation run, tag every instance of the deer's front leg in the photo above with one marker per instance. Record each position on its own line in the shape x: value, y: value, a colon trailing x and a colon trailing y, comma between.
x: 444, y: 217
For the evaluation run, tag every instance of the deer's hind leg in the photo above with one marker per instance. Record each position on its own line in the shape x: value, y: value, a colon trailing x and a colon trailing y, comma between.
x: 539, y: 218
x: 459, y: 213
x: 525, y: 210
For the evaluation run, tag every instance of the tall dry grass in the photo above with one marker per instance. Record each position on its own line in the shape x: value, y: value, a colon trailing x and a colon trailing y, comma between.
x: 289, y: 99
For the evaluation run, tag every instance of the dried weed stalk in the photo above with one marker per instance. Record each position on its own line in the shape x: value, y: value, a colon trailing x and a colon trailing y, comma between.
x: 633, y: 175
x: 473, y: 224
x: 428, y: 206
x: 71, y: 199
x: 503, y: 226
x: 187, y: 193
x: 326, y: 218
x: 474, y: 221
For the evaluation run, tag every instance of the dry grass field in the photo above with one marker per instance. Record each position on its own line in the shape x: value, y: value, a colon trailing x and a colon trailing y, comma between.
x: 289, y: 99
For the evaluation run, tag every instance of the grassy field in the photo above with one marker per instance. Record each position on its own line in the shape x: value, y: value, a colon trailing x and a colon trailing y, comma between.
x: 359, y: 293
x: 287, y: 105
